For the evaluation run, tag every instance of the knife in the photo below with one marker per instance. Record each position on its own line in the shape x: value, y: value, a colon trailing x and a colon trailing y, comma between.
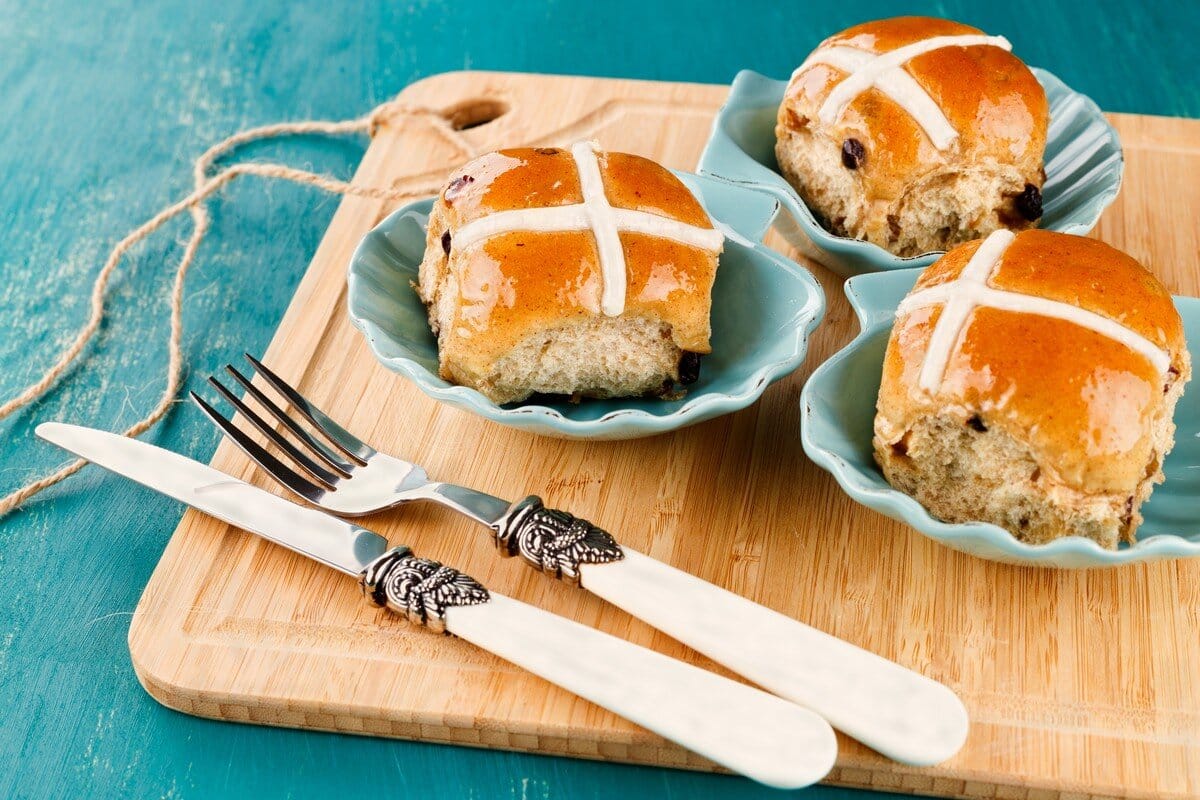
x: 737, y: 726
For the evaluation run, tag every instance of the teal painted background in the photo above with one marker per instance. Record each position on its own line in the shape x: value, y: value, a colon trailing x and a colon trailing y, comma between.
x: 102, y: 109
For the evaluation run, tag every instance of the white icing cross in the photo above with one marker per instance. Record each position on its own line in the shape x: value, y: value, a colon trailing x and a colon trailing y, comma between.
x: 970, y: 290
x: 886, y: 73
x: 597, y: 215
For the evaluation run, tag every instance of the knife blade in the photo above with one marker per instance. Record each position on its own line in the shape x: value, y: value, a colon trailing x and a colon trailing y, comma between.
x: 737, y: 726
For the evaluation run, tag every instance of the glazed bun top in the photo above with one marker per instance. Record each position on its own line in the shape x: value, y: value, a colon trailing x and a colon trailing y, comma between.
x: 918, y: 94
x: 539, y: 235
x: 1065, y: 342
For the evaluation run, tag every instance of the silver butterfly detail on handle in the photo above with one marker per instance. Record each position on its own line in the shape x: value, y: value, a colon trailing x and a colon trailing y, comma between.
x: 553, y: 541
x: 419, y: 588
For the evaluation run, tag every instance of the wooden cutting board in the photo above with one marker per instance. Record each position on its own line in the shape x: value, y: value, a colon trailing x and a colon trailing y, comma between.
x: 1079, y: 684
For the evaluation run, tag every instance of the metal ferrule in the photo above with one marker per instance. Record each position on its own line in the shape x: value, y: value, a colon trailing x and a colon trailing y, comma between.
x: 552, y: 541
x: 419, y: 588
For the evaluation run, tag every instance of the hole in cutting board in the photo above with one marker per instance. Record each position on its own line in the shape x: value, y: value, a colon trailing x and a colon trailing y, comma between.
x: 473, y: 113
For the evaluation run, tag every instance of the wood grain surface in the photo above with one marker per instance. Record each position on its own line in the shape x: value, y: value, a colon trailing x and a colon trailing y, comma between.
x: 1079, y: 683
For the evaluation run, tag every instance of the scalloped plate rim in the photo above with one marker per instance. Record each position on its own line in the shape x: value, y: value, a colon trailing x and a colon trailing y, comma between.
x: 1082, y: 552
x: 877, y: 258
x: 618, y: 423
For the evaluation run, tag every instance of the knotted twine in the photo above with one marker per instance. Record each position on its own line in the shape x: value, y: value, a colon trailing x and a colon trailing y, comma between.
x: 205, y: 185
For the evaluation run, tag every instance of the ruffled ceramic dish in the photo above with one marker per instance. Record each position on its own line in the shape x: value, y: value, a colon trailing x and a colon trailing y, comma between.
x: 838, y: 409
x: 764, y: 307
x: 1083, y: 170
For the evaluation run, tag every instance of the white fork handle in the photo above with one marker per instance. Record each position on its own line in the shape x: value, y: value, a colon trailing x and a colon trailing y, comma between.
x: 737, y: 726
x: 899, y: 713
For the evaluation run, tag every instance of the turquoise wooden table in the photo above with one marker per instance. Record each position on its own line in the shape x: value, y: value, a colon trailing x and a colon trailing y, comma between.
x: 103, y: 108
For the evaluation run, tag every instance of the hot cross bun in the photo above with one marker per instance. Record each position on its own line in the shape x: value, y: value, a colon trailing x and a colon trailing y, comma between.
x: 1030, y: 381
x: 915, y: 134
x: 568, y: 271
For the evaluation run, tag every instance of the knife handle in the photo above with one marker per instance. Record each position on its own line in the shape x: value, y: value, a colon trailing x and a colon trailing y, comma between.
x: 737, y: 726
x: 419, y: 588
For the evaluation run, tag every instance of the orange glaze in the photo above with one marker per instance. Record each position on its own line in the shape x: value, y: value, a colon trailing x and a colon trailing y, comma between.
x: 670, y: 281
x: 519, y: 283
x: 1083, y: 402
x: 641, y: 184
x: 1095, y: 276
x: 1087, y: 408
x: 988, y: 95
x: 1080, y: 271
x: 516, y: 282
x: 510, y: 179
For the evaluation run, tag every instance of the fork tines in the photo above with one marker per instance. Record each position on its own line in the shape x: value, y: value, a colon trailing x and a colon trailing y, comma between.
x: 323, y: 463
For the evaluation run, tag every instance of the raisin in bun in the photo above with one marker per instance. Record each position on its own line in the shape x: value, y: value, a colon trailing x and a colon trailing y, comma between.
x: 915, y: 134
x: 1030, y: 381
x: 568, y: 271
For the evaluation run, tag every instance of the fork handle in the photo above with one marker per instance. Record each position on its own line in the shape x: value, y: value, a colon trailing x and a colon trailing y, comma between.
x: 898, y: 712
x: 553, y: 541
x: 737, y: 726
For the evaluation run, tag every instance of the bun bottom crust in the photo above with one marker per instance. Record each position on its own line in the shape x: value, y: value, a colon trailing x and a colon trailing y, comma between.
x: 598, y: 357
x: 961, y: 473
x: 939, y: 210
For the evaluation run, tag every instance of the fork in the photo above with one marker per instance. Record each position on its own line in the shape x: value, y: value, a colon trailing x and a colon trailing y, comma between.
x: 900, y: 713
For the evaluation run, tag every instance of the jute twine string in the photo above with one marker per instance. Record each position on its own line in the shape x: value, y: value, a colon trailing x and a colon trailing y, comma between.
x: 205, y: 186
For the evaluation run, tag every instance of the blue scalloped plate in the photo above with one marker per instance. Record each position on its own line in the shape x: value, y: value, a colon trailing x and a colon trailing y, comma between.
x: 837, y: 408
x: 1083, y: 170
x: 764, y: 307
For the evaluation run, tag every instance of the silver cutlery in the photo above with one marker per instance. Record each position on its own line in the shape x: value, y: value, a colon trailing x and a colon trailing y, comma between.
x: 899, y: 713
x: 737, y: 726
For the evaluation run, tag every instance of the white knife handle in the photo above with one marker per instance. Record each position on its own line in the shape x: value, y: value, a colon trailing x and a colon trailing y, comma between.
x: 896, y: 711
x: 737, y: 726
